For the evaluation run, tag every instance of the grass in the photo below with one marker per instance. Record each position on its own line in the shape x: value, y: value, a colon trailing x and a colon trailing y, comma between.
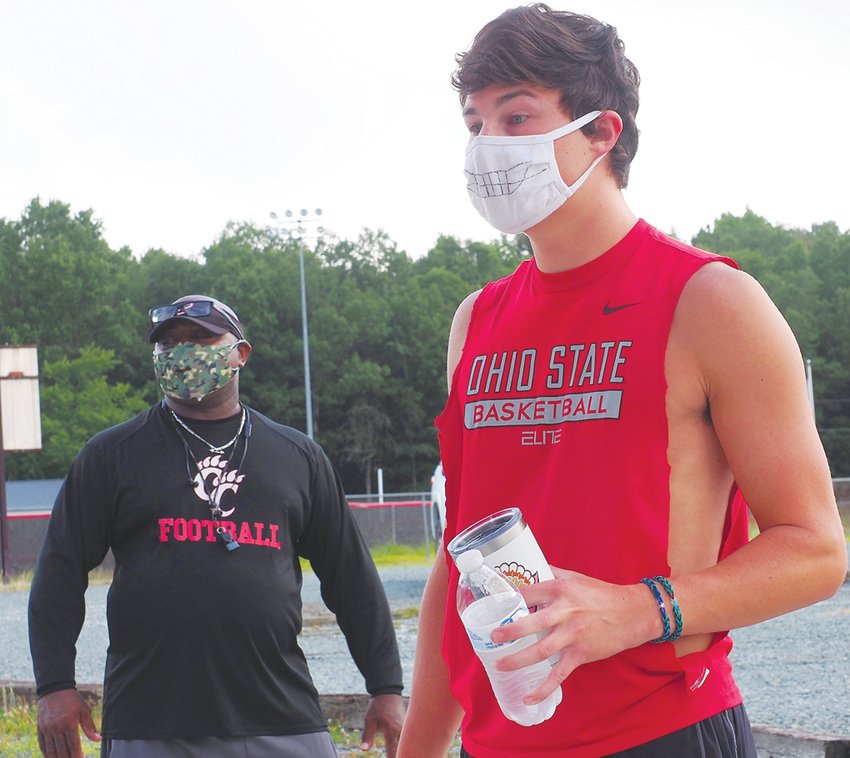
x: 406, y: 613
x: 347, y: 741
x: 18, y: 732
x: 17, y: 583
x: 391, y: 555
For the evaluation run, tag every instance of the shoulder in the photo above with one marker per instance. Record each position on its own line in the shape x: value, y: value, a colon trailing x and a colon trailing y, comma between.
x: 463, y: 314
x: 457, y: 333
x: 727, y: 294
x: 669, y: 249
x: 288, y: 438
x: 103, y: 451
x: 729, y: 326
x: 489, y: 293
x: 114, y: 436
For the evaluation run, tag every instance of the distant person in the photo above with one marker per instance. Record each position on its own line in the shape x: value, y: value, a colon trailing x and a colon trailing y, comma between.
x: 627, y: 392
x: 207, y: 506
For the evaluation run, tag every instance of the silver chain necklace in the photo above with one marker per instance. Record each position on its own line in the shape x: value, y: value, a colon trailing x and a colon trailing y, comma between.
x: 213, y: 448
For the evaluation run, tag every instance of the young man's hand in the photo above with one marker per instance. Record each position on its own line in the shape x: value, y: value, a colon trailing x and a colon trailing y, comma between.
x: 583, y: 619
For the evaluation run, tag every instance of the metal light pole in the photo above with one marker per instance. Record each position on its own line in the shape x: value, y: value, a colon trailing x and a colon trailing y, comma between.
x: 810, y: 387
x: 296, y: 229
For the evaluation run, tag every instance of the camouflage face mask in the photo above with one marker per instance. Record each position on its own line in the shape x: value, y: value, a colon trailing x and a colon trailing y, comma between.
x: 191, y: 371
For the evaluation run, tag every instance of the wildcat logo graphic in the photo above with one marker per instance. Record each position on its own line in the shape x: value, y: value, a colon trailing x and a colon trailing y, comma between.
x: 213, y: 474
x: 212, y: 484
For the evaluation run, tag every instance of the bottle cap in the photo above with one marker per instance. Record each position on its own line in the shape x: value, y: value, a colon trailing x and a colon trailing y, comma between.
x: 469, y: 561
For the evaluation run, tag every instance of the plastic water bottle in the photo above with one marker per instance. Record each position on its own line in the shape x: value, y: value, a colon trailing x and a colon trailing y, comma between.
x: 486, y: 600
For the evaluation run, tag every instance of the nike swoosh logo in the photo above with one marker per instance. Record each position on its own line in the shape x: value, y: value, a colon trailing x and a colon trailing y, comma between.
x: 609, y: 309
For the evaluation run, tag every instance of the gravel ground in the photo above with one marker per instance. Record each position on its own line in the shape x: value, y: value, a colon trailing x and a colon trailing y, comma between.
x: 794, y: 671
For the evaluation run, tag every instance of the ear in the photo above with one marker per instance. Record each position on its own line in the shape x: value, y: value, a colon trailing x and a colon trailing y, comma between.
x: 608, y: 127
x: 243, y: 352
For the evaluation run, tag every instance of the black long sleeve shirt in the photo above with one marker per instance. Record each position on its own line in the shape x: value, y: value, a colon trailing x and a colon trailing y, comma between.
x: 203, y: 641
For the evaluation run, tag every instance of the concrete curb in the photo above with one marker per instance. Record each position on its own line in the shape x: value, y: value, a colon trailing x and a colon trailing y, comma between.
x: 349, y: 710
x: 782, y: 743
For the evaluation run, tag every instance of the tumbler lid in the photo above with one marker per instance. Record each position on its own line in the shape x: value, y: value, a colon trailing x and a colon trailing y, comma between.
x: 489, y: 534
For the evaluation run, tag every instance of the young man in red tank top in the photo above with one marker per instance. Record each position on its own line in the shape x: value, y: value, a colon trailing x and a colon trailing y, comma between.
x: 700, y: 411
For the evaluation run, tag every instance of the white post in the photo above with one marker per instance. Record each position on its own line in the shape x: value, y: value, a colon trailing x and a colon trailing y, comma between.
x: 296, y: 227
x: 308, y: 387
x: 810, y: 387
x: 381, y: 500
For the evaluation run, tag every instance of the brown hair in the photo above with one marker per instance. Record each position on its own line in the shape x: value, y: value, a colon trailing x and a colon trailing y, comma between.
x: 579, y: 56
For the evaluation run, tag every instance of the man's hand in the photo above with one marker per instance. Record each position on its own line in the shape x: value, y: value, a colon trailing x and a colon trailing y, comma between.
x: 385, y: 714
x: 583, y: 620
x: 60, y: 716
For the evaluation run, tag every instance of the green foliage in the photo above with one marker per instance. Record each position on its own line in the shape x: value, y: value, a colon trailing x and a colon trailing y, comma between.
x: 61, y: 283
x: 378, y: 327
x: 77, y: 401
x: 19, y: 733
x: 393, y: 554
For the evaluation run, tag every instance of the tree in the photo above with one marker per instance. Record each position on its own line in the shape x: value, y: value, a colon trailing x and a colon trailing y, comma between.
x: 61, y: 284
x: 378, y: 327
x: 76, y: 403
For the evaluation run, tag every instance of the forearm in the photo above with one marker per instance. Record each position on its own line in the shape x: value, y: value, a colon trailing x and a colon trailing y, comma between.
x: 56, y: 613
x: 364, y: 616
x: 76, y: 541
x: 784, y: 568
x: 433, y: 714
x: 351, y: 586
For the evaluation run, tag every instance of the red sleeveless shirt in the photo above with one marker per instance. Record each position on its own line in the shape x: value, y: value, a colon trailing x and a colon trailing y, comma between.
x: 558, y: 407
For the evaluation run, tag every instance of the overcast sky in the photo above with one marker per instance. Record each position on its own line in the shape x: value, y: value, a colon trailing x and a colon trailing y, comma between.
x: 170, y: 118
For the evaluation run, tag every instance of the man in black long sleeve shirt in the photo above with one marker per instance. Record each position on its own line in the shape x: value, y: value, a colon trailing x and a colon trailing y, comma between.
x: 207, y: 506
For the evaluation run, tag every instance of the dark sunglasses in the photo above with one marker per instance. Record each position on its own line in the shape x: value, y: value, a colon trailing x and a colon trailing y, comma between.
x: 191, y: 308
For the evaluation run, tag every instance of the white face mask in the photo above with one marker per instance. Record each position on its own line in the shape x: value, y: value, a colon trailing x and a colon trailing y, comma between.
x: 514, y: 182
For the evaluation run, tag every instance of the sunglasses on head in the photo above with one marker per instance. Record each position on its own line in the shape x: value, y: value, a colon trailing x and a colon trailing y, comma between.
x: 190, y: 308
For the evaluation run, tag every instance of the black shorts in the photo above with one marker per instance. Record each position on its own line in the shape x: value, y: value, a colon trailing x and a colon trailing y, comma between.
x: 726, y: 735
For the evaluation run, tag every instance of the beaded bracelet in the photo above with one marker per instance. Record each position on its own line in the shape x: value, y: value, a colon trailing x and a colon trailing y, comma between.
x: 677, y: 612
x: 665, y: 620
